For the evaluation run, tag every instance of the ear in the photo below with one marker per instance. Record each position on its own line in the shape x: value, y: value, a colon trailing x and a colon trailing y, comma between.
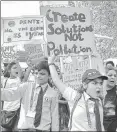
x: 49, y: 79
x: 85, y: 86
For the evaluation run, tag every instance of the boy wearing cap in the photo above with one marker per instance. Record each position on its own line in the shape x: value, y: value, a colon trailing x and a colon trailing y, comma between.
x: 88, y: 113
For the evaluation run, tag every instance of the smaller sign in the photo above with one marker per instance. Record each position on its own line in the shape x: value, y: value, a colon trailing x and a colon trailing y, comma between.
x: 34, y: 52
x: 73, y: 71
x: 8, y: 53
x: 22, y: 56
x: 22, y: 28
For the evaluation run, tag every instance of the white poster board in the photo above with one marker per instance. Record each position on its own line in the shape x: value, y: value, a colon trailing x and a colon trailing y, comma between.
x: 69, y: 30
x: 23, y: 28
x: 20, y: 31
x: 73, y: 69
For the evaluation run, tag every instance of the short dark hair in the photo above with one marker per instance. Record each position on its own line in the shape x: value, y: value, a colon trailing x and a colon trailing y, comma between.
x: 43, y: 64
x: 110, y: 62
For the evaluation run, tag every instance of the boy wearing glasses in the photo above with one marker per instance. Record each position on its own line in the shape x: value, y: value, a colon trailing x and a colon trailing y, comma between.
x: 88, y: 113
x: 39, y: 107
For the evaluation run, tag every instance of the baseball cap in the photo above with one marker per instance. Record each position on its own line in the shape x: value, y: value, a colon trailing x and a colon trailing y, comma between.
x: 92, y: 74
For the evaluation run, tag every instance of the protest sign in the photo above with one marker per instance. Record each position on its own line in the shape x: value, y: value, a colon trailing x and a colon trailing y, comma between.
x: 72, y: 72
x: 69, y: 30
x: 34, y: 50
x: 8, y: 53
x: 22, y: 56
x: 22, y: 28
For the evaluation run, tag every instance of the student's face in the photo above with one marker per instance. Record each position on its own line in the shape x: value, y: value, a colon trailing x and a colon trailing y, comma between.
x: 14, y: 71
x: 94, y: 87
x: 42, y: 76
x: 112, y: 78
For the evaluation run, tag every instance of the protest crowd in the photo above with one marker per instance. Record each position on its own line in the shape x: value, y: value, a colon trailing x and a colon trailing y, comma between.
x: 56, y: 80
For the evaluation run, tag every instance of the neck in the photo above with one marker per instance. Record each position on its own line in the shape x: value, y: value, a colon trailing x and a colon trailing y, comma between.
x: 92, y: 96
x: 44, y: 86
x: 110, y: 87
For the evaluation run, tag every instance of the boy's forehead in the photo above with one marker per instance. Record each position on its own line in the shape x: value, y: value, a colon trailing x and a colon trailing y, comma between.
x: 109, y: 64
x: 41, y: 70
x: 15, y: 65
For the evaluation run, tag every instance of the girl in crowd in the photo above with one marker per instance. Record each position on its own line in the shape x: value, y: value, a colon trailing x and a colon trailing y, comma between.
x: 110, y: 102
x: 11, y: 80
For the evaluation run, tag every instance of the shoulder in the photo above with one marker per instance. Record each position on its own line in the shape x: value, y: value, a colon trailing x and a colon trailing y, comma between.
x: 2, y: 79
x: 69, y: 94
x: 70, y: 90
x: 28, y: 84
x: 5, y: 78
x: 52, y: 92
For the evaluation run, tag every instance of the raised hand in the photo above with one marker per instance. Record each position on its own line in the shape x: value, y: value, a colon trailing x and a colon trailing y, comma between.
x: 51, y: 59
x: 29, y: 62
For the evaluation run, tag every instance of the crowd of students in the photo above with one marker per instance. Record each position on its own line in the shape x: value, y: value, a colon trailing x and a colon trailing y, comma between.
x: 34, y: 102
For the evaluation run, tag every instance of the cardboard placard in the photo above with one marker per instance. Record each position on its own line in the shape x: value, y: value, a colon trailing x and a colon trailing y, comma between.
x: 73, y: 71
x: 34, y: 51
x: 8, y: 53
x: 22, y: 28
x: 69, y: 30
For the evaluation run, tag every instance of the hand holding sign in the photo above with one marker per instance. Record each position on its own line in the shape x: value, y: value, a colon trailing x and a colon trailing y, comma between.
x: 52, y: 58
x: 29, y: 63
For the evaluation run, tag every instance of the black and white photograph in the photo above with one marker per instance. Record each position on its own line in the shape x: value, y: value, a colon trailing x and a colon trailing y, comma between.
x: 58, y: 66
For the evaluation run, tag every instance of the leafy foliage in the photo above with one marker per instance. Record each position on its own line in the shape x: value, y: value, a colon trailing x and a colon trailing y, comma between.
x: 105, y: 23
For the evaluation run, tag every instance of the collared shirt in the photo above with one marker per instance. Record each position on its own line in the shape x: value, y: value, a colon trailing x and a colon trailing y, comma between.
x: 49, y: 118
x: 34, y: 96
x: 79, y: 119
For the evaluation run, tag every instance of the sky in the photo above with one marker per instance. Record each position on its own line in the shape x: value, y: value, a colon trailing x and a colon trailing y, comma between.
x: 19, y: 8
x: 23, y: 8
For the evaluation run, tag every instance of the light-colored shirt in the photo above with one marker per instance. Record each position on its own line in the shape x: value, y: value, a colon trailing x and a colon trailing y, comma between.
x: 11, y: 83
x: 34, y: 96
x: 49, y: 118
x: 79, y: 118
